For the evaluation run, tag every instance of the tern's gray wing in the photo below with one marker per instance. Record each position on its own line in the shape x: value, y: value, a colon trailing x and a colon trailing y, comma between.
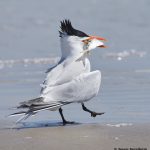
x: 65, y: 72
x: 50, y: 69
x: 80, y: 89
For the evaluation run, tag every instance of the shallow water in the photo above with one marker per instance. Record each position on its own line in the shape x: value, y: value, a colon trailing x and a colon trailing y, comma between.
x: 29, y: 45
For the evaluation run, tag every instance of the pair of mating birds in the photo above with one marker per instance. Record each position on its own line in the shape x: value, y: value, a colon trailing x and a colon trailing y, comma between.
x: 71, y: 80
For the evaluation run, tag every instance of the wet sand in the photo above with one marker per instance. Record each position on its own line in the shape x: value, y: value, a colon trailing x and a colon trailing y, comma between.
x: 74, y: 137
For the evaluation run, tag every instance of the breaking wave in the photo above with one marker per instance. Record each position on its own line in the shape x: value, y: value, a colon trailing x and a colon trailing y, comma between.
x: 124, y: 54
x: 108, y: 55
x: 120, y: 125
x: 27, y: 61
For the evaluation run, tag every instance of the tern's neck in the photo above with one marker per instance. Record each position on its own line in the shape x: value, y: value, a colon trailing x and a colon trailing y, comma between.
x: 71, y: 46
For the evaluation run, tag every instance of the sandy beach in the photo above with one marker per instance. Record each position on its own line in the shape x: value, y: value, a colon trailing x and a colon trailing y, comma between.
x: 85, y: 137
x: 29, y: 45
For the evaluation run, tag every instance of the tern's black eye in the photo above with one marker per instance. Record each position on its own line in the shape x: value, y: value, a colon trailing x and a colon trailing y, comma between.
x: 66, y: 27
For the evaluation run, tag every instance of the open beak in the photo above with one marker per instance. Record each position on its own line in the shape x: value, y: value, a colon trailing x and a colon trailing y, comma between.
x: 102, y: 46
x: 90, y: 38
x: 97, y: 37
x: 100, y: 39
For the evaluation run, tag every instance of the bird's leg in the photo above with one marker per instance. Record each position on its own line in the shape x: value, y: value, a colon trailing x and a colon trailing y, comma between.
x: 63, y: 119
x: 93, y: 114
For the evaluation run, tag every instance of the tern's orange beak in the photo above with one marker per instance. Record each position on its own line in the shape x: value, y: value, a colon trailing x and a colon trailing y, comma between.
x: 90, y: 38
x: 98, y: 38
x: 103, y: 46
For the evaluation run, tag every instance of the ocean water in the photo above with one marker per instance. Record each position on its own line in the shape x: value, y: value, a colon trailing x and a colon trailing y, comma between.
x: 29, y: 44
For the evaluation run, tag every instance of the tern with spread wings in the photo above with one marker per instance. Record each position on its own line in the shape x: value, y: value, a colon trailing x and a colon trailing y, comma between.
x: 71, y: 80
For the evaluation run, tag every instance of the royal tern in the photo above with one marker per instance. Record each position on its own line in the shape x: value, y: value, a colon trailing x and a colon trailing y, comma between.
x: 71, y: 80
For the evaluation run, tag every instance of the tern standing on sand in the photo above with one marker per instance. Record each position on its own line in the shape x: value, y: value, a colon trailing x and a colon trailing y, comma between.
x: 71, y: 80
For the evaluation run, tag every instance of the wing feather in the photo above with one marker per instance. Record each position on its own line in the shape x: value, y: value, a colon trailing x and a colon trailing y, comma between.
x: 82, y: 88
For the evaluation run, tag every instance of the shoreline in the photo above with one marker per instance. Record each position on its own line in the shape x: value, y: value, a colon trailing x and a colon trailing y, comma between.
x: 79, y: 136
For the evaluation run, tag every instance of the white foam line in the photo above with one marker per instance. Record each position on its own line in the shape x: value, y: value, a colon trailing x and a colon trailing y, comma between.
x: 119, y: 125
x: 124, y: 54
x: 143, y: 71
x: 27, y: 61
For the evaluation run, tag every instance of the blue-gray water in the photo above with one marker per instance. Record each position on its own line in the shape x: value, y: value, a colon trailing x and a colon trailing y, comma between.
x: 29, y: 44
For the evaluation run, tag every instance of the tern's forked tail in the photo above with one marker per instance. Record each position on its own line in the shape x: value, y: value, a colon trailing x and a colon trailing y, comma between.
x: 34, y: 106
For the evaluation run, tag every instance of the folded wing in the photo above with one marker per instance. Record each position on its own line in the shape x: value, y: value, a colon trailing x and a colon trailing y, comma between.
x: 80, y: 89
x: 64, y: 73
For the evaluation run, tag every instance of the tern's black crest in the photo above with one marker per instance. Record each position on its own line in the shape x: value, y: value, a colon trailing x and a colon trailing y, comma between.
x: 66, y: 27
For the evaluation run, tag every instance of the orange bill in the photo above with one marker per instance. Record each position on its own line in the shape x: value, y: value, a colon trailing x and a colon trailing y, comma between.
x: 98, y: 38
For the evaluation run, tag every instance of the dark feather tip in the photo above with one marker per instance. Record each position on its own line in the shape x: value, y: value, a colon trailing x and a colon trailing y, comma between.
x: 67, y: 28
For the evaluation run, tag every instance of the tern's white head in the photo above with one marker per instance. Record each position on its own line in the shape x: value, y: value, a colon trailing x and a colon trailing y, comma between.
x: 74, y: 41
